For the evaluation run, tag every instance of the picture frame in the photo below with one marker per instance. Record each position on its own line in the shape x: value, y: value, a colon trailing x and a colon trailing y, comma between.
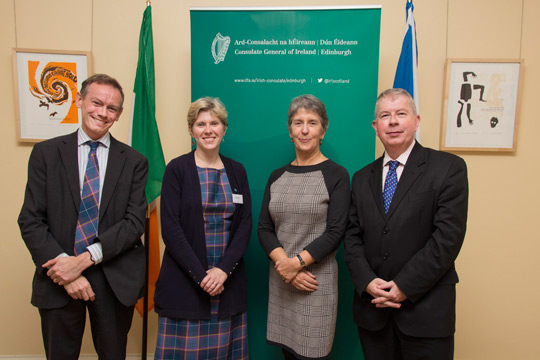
x: 46, y: 85
x: 481, y: 104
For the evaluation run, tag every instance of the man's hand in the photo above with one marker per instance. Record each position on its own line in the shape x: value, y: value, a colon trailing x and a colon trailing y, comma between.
x: 63, y: 270
x: 213, y: 281
x: 394, y: 292
x: 80, y: 289
x: 385, y: 293
x: 305, y: 281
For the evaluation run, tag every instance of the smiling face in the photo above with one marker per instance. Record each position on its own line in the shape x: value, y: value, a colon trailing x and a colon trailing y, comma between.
x: 395, y: 124
x: 101, y: 107
x: 306, y: 131
x: 208, y: 131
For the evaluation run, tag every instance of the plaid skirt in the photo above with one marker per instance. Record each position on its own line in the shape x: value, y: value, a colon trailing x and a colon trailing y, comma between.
x: 223, y: 339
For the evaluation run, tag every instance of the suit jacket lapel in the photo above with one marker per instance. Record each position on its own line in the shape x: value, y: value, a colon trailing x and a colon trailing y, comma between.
x: 70, y: 158
x: 115, y: 164
x: 375, y: 183
x: 412, y: 170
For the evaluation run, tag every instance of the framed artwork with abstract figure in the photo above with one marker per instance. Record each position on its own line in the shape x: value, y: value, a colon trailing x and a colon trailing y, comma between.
x: 481, y: 105
x: 46, y: 86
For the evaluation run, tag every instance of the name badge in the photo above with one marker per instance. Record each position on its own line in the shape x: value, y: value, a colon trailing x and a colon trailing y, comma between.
x: 237, y: 198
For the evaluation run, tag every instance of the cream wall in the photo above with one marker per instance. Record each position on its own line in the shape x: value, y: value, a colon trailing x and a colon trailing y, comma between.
x: 500, y: 250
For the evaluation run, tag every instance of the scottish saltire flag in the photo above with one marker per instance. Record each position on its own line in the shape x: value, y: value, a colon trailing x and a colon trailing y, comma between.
x: 406, y: 72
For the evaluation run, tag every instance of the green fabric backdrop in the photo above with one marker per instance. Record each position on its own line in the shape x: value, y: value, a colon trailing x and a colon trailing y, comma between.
x: 274, y: 55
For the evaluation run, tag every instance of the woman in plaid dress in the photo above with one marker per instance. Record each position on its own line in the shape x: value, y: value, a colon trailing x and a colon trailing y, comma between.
x: 303, y: 219
x: 201, y: 293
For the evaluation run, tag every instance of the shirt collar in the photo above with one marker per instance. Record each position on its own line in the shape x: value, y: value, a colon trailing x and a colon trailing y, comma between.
x: 83, y: 138
x: 402, y: 159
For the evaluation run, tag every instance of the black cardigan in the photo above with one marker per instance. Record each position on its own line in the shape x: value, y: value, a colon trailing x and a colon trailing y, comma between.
x: 178, y: 293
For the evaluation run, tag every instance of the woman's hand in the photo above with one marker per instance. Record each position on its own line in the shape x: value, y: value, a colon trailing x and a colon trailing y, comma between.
x: 305, y: 281
x: 213, y: 281
x: 288, y: 268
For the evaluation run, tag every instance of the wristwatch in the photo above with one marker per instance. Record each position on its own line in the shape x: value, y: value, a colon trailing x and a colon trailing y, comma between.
x: 302, y: 262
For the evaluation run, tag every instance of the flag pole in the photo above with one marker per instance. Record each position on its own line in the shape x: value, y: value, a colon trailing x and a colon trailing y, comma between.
x: 144, y: 349
x: 145, y: 300
x: 144, y: 137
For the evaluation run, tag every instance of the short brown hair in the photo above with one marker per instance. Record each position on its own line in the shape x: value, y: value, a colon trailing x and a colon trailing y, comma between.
x: 103, y: 79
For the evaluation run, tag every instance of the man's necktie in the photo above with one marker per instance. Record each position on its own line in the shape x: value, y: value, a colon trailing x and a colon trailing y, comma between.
x: 87, y: 225
x: 390, y: 184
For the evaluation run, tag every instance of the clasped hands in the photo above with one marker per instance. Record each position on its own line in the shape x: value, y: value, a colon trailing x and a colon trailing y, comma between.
x: 66, y: 271
x: 385, y: 293
x: 292, y: 272
x: 213, y: 281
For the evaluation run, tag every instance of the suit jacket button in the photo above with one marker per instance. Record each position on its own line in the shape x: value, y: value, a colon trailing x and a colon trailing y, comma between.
x: 386, y: 256
x: 385, y: 231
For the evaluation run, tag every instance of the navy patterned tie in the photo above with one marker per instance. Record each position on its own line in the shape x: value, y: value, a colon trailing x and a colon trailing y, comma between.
x: 390, y: 184
x: 87, y: 224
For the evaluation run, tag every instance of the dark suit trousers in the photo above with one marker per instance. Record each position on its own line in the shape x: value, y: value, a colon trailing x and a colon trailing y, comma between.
x: 110, y: 322
x: 391, y: 344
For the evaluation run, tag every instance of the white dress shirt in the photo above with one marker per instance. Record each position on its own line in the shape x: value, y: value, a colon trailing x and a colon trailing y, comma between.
x: 402, y: 159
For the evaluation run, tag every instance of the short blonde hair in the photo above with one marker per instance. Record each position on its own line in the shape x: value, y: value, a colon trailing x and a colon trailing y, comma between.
x: 208, y: 103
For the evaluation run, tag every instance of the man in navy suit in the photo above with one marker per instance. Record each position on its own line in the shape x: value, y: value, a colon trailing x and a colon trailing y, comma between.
x: 107, y: 277
x: 401, y: 259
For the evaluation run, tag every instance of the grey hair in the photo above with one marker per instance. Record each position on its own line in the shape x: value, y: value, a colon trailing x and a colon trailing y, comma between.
x: 310, y: 103
x: 393, y: 94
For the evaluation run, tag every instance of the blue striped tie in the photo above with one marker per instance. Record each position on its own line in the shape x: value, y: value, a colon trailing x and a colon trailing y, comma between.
x: 390, y: 184
x: 87, y: 224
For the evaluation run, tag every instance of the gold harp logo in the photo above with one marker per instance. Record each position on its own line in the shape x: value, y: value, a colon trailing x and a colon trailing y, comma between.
x: 220, y: 45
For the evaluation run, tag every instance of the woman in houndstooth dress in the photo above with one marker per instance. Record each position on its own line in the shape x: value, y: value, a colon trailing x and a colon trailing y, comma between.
x: 303, y: 219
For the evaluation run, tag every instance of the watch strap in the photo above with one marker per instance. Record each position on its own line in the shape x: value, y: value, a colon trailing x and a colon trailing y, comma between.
x: 302, y: 262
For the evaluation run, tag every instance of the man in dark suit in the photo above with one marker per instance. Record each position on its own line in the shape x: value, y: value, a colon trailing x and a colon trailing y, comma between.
x: 106, y: 274
x: 400, y: 250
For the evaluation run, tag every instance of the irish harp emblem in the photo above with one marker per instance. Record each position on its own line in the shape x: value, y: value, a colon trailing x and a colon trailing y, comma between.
x: 220, y: 45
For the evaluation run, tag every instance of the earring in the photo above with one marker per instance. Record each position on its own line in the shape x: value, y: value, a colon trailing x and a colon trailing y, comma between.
x: 193, y: 142
x: 320, y: 142
x: 223, y: 139
x: 292, y: 140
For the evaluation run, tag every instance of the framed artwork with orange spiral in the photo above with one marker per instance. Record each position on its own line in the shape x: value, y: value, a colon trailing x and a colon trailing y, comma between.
x: 46, y: 85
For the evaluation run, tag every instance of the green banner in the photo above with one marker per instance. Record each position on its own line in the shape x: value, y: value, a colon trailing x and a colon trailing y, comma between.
x: 257, y: 61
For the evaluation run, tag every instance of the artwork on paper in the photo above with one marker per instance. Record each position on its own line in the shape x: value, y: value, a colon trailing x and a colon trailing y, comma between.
x: 55, y: 87
x: 48, y: 84
x: 481, y: 105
